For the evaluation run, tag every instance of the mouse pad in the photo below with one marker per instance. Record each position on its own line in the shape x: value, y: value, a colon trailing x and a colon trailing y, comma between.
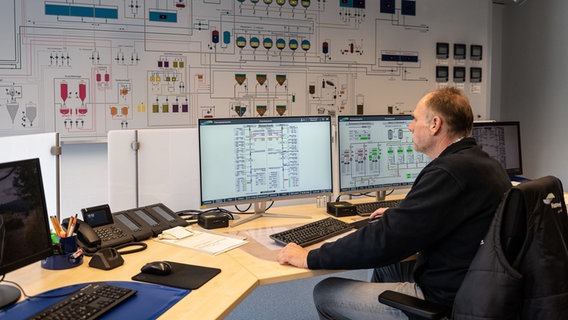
x: 184, y: 276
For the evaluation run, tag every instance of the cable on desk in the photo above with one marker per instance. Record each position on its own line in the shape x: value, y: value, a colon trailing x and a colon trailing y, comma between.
x: 366, y: 194
x: 141, y: 247
x: 196, y: 213
x: 37, y: 295
x: 243, y: 210
x: 250, y: 205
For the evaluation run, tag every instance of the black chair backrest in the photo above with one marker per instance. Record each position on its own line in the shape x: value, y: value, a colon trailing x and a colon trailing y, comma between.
x: 521, y: 269
x: 513, y: 226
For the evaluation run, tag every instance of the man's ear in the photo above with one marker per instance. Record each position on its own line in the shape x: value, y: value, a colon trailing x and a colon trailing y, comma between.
x: 435, y: 125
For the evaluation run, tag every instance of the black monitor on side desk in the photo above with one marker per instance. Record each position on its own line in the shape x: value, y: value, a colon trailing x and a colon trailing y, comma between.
x: 376, y: 154
x: 255, y: 160
x: 502, y: 141
x: 24, y: 222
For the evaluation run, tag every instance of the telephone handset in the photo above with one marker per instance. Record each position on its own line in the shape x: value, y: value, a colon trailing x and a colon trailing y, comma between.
x: 87, y: 238
x: 86, y: 235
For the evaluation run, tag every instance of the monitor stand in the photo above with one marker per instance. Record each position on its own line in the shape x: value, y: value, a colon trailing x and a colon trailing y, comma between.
x: 8, y: 295
x: 381, y: 195
x: 260, y: 211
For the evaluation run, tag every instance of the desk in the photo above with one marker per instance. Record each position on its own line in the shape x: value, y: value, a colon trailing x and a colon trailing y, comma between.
x: 241, y: 272
x: 266, y: 270
x: 214, y: 300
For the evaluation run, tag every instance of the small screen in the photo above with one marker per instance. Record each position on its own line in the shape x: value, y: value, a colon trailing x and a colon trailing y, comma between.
x: 127, y: 222
x: 442, y: 73
x: 248, y: 160
x: 144, y: 216
x: 99, y: 216
x: 476, y: 52
x: 376, y: 153
x: 459, y: 51
x: 163, y: 213
x: 442, y: 50
x: 459, y: 74
x: 502, y: 141
x: 475, y: 74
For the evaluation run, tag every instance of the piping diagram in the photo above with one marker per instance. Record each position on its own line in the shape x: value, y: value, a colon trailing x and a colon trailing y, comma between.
x: 85, y: 67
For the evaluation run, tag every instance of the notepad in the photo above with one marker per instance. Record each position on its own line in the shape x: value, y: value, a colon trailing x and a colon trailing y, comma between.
x: 205, y: 241
x: 176, y: 233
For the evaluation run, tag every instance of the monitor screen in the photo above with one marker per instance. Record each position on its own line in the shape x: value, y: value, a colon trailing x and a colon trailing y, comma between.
x: 24, y: 222
x: 376, y: 153
x: 502, y: 141
x: 251, y: 160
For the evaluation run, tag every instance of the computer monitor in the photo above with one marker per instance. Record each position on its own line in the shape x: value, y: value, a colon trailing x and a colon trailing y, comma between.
x: 502, y: 141
x: 24, y: 222
x: 376, y: 154
x: 256, y: 160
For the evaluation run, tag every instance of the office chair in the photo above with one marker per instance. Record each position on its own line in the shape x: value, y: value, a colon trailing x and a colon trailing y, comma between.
x: 520, y: 272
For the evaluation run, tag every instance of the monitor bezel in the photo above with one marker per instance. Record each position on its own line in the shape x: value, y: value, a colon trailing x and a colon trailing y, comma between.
x: 381, y: 188
x: 43, y: 252
x: 517, y: 124
x: 214, y: 203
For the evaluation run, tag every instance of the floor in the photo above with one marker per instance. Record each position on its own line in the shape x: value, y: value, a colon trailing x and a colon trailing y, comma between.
x: 286, y: 300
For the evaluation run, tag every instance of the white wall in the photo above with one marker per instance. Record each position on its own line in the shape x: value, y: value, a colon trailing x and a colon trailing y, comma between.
x: 84, y: 178
x: 496, y: 60
x: 534, y: 83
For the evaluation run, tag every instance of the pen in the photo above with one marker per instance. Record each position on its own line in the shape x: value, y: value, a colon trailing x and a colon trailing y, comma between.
x: 71, y: 226
x: 57, y: 226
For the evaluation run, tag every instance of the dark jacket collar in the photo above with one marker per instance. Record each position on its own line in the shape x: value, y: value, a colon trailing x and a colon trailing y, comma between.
x: 464, y: 143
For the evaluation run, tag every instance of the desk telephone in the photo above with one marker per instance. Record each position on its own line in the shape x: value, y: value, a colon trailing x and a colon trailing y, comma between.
x: 102, y: 229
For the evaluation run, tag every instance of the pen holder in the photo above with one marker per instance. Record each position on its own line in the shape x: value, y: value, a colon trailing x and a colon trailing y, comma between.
x: 64, y: 255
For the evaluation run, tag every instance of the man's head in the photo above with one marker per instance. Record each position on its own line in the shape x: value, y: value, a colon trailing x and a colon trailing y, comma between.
x: 440, y: 117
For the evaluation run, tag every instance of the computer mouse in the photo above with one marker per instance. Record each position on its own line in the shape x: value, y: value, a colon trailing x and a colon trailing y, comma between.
x: 161, y: 268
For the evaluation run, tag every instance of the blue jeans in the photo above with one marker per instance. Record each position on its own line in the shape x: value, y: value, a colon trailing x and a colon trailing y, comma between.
x: 339, y: 298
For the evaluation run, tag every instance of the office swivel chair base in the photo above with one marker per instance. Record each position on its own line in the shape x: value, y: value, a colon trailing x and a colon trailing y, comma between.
x: 414, y: 308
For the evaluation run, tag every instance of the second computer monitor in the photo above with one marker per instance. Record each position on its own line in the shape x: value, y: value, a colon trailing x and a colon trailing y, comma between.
x: 376, y: 153
x: 502, y: 141
x: 251, y: 160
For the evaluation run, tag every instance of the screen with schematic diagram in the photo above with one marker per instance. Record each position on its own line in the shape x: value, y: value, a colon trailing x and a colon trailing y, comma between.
x: 250, y: 160
x: 502, y: 141
x: 376, y: 153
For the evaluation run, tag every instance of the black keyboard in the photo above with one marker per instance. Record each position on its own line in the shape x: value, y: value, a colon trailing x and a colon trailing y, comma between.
x: 88, y: 303
x: 312, y: 232
x: 365, y: 209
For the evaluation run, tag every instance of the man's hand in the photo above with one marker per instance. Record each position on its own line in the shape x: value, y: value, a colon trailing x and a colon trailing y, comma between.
x: 295, y: 255
x: 378, y: 213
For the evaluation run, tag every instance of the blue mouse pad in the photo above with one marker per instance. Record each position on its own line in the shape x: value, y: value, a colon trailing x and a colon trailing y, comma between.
x: 184, y: 276
x: 149, y: 302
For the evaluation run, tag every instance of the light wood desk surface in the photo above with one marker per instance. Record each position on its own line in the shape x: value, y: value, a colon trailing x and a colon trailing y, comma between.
x: 242, y: 269
x: 265, y: 267
x: 214, y: 300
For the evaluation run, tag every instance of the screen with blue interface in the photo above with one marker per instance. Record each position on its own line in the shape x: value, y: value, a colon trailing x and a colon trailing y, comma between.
x: 502, y: 141
x: 249, y: 160
x: 376, y: 153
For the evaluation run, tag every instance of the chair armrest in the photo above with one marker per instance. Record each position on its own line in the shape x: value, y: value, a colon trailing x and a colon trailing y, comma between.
x: 413, y: 307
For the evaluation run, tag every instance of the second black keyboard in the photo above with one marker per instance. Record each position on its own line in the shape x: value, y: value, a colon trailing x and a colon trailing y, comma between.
x: 365, y: 209
x: 90, y: 302
x: 312, y: 232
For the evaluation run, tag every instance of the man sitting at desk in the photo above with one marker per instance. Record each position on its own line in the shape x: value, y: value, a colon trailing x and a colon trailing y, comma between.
x: 444, y: 217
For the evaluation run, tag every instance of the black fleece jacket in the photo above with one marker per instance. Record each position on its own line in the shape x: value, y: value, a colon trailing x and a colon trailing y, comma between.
x: 443, y: 218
